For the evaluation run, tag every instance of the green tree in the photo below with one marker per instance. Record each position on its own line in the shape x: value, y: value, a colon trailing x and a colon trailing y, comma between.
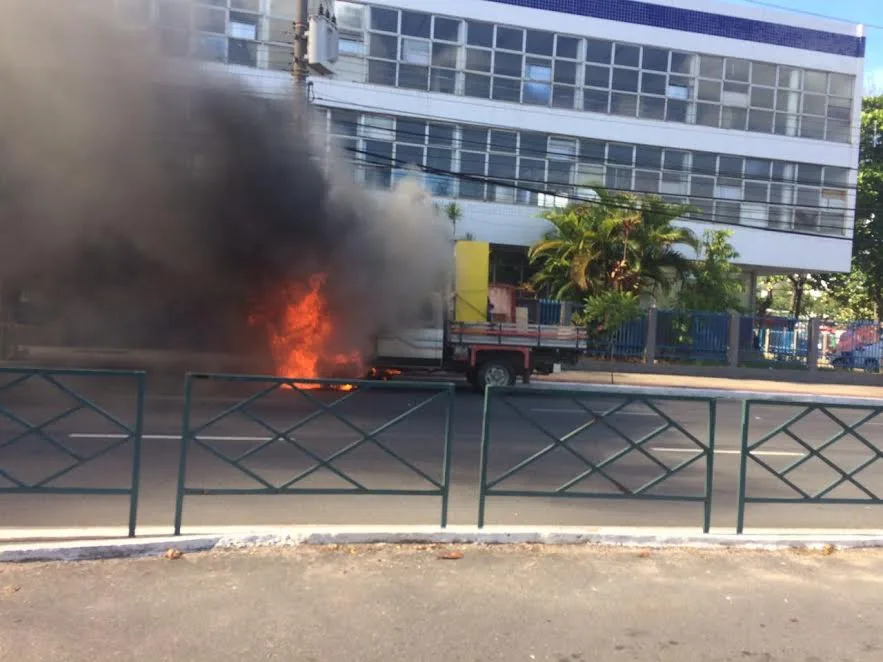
x: 605, y: 314
x: 453, y: 213
x: 620, y: 242
x: 715, y: 283
x: 860, y: 292
x: 867, y: 254
x: 846, y: 297
x: 795, y: 295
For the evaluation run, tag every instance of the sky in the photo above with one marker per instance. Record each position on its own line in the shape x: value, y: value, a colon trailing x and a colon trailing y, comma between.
x: 858, y: 11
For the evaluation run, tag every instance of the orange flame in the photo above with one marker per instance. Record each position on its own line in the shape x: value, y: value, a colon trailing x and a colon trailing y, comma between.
x: 299, y: 339
x: 384, y: 373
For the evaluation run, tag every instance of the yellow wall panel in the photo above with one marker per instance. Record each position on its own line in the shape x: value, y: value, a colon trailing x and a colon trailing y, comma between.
x: 472, y: 261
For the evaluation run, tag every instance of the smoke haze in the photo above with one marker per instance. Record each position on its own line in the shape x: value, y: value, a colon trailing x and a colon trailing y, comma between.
x: 159, y: 215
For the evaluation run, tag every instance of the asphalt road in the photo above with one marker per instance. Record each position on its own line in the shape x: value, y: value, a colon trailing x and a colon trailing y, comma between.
x: 418, y: 438
x: 534, y: 603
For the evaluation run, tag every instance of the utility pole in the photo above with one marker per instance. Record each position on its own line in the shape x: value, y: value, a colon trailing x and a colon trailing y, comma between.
x: 299, y: 67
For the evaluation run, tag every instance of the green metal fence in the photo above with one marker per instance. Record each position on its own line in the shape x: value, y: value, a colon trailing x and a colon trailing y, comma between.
x: 306, y: 391
x: 802, y: 495
x: 509, y: 397
x: 26, y: 431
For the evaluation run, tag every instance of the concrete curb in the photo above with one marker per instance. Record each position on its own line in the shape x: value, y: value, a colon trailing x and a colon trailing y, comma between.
x: 283, y: 538
x: 111, y: 549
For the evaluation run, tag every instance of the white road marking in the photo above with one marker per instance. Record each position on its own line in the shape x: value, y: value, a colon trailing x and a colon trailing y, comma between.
x: 877, y: 421
x: 730, y: 451
x: 552, y: 410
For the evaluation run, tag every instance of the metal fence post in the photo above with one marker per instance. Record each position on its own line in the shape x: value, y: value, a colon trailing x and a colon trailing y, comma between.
x: 138, y: 431
x: 485, y: 443
x: 733, y: 340
x: 650, y: 337
x: 743, y: 466
x: 709, y: 464
x: 182, y: 459
x: 813, y: 331
x: 446, y: 462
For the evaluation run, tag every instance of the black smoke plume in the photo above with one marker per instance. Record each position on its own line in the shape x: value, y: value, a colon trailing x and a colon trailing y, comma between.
x: 154, y: 203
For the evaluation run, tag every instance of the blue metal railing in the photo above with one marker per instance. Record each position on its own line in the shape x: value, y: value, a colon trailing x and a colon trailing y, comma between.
x: 692, y: 336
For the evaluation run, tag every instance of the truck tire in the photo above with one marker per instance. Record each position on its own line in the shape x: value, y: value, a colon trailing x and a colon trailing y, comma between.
x: 495, y: 373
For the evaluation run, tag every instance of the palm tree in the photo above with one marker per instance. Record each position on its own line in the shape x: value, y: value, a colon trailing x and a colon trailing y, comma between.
x: 568, y: 251
x: 663, y: 263
x: 454, y: 214
x: 620, y: 242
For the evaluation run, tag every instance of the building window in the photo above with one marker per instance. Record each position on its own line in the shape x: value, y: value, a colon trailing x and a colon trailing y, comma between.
x: 446, y: 29
x: 242, y: 52
x: 480, y: 34
x: 350, y: 16
x: 209, y: 19
x: 513, y: 167
x: 376, y: 127
x: 537, y: 87
x: 382, y: 73
x: 244, y: 26
x: 511, y: 39
x: 425, y: 51
x: 416, y: 24
x: 443, y: 54
x: 247, y: 5
x: 384, y: 20
x: 207, y: 47
x: 477, y: 86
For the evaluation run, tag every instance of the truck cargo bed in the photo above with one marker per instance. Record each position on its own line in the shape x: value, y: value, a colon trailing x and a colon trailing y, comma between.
x: 536, y: 336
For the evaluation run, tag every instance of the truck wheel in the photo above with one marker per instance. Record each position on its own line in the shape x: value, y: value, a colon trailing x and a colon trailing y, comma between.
x: 872, y: 365
x: 495, y: 373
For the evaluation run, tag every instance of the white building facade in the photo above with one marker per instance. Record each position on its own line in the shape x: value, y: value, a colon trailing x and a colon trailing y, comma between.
x: 511, y: 106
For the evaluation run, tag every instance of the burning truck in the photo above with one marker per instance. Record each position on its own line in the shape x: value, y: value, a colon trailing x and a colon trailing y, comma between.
x: 163, y: 203
x: 456, y: 334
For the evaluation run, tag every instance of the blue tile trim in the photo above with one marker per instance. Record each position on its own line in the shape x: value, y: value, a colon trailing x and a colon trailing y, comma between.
x: 691, y: 20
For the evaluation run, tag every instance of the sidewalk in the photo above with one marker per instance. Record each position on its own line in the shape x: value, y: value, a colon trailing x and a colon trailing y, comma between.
x: 717, y: 383
x: 366, y: 604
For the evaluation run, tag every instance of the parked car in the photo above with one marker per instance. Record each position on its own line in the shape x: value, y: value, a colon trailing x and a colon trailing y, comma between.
x: 866, y: 357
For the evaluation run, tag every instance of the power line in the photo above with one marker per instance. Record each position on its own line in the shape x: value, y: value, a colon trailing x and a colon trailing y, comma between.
x: 518, y: 187
x: 553, y: 188
x: 550, y: 187
x: 471, y: 145
x: 854, y: 131
x: 736, y: 220
x: 773, y: 5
